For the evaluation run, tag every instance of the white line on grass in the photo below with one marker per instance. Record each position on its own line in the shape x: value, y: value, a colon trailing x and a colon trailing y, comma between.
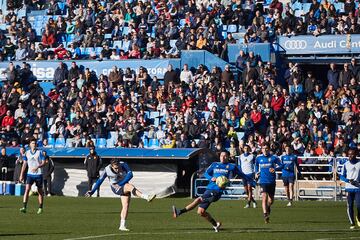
x: 212, y: 232
x: 337, y: 238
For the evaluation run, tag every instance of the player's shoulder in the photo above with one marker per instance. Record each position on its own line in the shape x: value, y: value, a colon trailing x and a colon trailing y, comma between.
x: 260, y: 156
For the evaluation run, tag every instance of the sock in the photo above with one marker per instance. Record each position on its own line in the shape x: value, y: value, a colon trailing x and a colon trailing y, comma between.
x: 213, y: 222
x: 182, y: 211
x: 144, y: 196
x: 265, y: 215
x: 41, y: 205
x: 122, y: 223
x: 249, y: 202
x: 25, y: 204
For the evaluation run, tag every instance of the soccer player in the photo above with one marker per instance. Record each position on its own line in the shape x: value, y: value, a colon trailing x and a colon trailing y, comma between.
x: 289, y: 161
x: 351, y: 176
x: 265, y: 166
x: 34, y: 159
x: 213, y: 191
x: 119, y: 175
x: 246, y: 163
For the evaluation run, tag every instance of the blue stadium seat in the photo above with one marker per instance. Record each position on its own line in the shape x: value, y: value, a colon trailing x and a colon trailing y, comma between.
x: 60, y: 143
x: 3, y: 27
x: 206, y: 114
x: 117, y: 44
x: 154, y: 115
x: 125, y: 31
x: 98, y: 50
x: 232, y: 28
x: 146, y: 142
x: 101, y: 143
x: 51, y: 141
x: 125, y: 46
x: 69, y: 142
x: 306, y: 7
x: 172, y: 43
x: 240, y: 135
x: 62, y: 7
x: 110, y: 143
x: 224, y: 28
x: 153, y: 143
x: 182, y: 22
x: 107, y: 36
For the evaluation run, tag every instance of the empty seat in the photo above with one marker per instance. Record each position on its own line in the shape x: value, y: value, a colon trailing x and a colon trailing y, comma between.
x: 232, y: 28
x: 101, y: 143
x: 153, y: 143
x: 60, y: 143
x: 51, y: 141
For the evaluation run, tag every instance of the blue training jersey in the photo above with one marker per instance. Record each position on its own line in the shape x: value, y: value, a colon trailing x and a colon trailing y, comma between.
x: 263, y: 164
x: 218, y: 169
x: 289, y: 162
x: 120, y: 178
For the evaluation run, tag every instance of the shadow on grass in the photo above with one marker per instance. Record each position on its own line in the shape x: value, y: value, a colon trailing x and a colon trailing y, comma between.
x: 30, y: 234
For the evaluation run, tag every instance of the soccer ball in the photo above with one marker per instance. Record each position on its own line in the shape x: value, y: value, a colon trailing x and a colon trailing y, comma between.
x: 222, y: 181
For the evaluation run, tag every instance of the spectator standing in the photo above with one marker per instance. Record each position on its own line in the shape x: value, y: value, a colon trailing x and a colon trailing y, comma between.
x: 18, y: 165
x: 93, y: 164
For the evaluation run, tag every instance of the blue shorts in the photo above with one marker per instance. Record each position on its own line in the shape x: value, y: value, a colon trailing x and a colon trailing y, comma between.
x: 246, y: 182
x: 38, y: 180
x: 287, y: 180
x: 119, y: 191
x: 268, y: 188
x: 209, y: 197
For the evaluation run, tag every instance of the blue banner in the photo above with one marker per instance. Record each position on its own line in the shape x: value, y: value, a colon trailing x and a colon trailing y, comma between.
x: 44, y: 70
x: 261, y: 49
x: 325, y: 44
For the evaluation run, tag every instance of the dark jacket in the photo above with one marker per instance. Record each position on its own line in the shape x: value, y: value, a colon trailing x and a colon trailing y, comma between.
x: 93, y: 164
x: 49, y: 167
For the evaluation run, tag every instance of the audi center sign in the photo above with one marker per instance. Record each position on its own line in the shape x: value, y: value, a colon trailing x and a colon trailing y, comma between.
x: 325, y: 44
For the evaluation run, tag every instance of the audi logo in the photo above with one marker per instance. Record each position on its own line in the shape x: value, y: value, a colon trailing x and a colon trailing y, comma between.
x: 295, y: 44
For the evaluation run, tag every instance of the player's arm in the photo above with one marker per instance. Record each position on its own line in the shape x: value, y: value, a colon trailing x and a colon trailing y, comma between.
x: 238, y: 172
x: 23, y: 169
x: 257, y: 168
x: 129, y: 175
x: 343, y: 176
x: 209, y: 173
x: 42, y: 164
x: 97, y: 185
x: 279, y: 164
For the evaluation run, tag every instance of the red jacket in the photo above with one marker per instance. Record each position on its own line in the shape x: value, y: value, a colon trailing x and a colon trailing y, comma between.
x: 3, y: 110
x: 8, y: 120
x: 255, y: 116
x: 277, y: 104
x: 48, y: 40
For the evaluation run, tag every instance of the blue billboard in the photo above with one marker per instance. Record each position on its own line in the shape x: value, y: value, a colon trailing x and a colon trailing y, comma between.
x: 325, y: 44
x: 44, y: 70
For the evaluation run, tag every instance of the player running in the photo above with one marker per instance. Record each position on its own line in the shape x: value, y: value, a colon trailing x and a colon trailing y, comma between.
x: 351, y: 176
x: 119, y: 175
x: 246, y: 163
x: 265, y: 166
x: 33, y: 159
x: 289, y: 161
x: 213, y: 192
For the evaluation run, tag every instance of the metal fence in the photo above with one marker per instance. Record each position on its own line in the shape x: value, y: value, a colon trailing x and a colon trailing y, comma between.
x: 319, y: 181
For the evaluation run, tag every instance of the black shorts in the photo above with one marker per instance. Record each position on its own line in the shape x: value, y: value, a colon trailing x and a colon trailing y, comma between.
x: 268, y: 188
x: 288, y: 180
x: 209, y: 197
x: 38, y: 180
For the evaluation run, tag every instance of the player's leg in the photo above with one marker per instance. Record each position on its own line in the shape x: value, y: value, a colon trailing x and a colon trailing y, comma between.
x: 250, y: 189
x: 271, y: 195
x: 129, y: 188
x: 350, y: 208
x: 39, y: 184
x: 29, y: 183
x: 357, y: 201
x: 125, y: 202
x: 287, y: 189
x: 246, y: 188
x: 189, y: 207
x: 264, y: 196
x: 202, y: 212
x: 291, y: 193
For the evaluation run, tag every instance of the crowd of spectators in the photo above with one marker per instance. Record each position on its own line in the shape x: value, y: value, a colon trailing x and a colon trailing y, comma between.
x: 201, y: 108
x: 161, y: 29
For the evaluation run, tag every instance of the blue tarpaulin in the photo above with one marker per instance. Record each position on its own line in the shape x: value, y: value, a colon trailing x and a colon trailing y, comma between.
x: 174, y: 153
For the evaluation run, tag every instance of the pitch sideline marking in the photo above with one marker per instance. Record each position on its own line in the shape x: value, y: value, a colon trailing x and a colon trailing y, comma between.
x: 211, y: 232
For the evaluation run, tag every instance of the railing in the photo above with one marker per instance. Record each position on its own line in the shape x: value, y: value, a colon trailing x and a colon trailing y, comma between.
x: 319, y: 181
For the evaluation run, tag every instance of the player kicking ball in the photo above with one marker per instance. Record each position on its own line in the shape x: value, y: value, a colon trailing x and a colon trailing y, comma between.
x: 218, y: 174
x: 351, y: 176
x: 265, y: 166
x: 119, y: 175
x: 34, y: 159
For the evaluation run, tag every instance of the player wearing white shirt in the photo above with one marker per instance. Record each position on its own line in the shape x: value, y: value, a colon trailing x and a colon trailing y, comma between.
x: 246, y: 163
x: 119, y: 175
x: 351, y: 176
x: 34, y: 159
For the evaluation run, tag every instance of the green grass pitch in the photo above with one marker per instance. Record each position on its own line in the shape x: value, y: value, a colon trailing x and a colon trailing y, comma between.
x: 98, y: 218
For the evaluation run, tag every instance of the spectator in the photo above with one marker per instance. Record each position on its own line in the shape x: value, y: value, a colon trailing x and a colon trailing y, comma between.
x: 92, y: 165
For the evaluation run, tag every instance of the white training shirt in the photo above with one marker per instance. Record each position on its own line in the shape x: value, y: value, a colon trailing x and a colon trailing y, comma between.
x: 247, y: 163
x: 34, y: 159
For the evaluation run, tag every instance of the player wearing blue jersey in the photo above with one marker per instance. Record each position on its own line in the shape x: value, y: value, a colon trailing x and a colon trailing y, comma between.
x: 351, y: 176
x: 34, y: 160
x: 213, y: 192
x: 289, y: 161
x: 246, y: 163
x: 119, y: 175
x: 265, y: 166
